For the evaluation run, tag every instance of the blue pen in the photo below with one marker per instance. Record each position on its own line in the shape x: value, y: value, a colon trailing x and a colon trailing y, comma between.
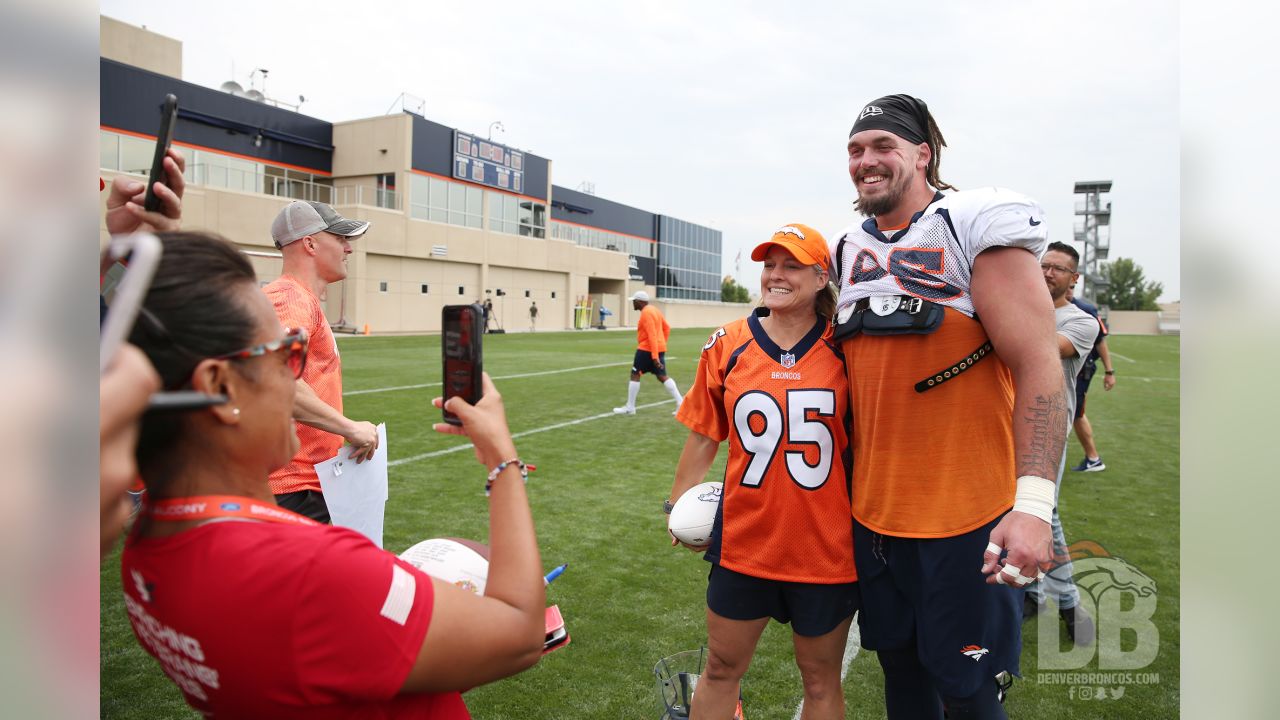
x: 554, y: 574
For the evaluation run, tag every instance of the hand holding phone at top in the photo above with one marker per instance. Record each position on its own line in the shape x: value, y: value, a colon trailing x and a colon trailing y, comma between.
x: 125, y: 210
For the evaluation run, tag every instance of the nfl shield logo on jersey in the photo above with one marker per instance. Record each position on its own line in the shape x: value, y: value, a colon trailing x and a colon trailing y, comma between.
x: 788, y: 359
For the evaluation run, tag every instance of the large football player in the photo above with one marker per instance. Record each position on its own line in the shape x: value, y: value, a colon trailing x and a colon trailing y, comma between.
x: 959, y: 414
x: 774, y: 387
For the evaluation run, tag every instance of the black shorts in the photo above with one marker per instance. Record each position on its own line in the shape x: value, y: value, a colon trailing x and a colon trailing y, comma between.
x: 812, y: 609
x: 931, y: 592
x: 643, y: 363
x: 306, y: 502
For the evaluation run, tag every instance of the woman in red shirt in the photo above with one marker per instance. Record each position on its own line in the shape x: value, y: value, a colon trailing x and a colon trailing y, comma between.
x: 254, y: 611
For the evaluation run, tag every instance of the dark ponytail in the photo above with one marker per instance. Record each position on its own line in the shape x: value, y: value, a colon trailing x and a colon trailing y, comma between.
x: 191, y: 312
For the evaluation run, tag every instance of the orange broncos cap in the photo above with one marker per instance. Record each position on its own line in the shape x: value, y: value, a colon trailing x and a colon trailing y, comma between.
x: 803, y: 242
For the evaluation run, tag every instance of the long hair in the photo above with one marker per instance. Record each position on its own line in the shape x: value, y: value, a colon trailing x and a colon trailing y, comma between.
x: 936, y: 143
x: 191, y: 312
x: 825, y: 303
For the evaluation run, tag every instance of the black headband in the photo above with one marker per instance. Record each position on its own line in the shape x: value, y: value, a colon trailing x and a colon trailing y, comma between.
x: 902, y: 115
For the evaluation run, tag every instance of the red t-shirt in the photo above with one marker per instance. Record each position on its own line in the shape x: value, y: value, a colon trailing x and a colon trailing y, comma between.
x: 278, y: 621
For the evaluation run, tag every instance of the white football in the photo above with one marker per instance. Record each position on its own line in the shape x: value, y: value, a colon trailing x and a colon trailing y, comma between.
x: 451, y: 561
x: 694, y: 513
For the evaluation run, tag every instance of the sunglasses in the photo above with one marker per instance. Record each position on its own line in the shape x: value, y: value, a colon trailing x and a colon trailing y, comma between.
x: 294, y: 342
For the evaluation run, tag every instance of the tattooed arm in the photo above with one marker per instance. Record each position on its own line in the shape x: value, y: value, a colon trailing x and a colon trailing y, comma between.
x: 1013, y: 303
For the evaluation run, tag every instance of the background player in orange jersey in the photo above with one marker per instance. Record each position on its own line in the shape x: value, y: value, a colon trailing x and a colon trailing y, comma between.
x: 315, y: 241
x: 782, y: 545
x: 651, y: 352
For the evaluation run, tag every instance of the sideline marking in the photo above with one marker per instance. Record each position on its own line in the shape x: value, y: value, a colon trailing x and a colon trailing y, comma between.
x: 523, y: 433
x: 1122, y: 357
x: 504, y: 377
x: 851, y: 648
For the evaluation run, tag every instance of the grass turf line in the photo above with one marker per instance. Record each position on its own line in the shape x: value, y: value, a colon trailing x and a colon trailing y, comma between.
x: 628, y: 598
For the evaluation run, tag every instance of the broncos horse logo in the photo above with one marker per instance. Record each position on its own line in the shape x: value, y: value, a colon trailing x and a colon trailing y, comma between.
x: 1096, y: 571
x: 712, y: 495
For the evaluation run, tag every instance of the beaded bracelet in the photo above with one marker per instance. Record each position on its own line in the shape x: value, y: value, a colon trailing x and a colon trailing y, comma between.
x: 493, y: 474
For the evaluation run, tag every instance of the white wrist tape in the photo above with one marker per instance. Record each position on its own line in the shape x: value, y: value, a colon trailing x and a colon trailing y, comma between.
x: 1035, y: 497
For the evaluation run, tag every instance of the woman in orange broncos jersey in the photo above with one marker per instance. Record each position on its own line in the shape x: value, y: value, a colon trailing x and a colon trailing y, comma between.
x: 782, y: 545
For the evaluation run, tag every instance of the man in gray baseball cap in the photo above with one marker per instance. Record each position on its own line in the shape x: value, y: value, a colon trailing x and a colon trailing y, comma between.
x: 315, y: 242
x: 301, y: 218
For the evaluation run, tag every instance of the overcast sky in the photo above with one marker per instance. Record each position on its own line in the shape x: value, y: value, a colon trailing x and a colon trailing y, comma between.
x: 735, y: 114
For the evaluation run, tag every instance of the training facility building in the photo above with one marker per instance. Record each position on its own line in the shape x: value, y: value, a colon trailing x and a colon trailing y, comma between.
x: 456, y: 218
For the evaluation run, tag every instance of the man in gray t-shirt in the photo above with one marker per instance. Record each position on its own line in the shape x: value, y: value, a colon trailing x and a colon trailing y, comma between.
x: 1076, y: 332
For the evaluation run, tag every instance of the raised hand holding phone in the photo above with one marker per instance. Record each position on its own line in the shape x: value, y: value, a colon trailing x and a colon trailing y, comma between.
x: 462, y: 356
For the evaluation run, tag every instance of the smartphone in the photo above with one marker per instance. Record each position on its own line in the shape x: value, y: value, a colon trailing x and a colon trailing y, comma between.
x: 463, y: 327
x: 168, y: 119
x: 127, y: 265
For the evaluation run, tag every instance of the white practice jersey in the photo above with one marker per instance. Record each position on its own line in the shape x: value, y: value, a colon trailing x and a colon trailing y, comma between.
x: 932, y: 258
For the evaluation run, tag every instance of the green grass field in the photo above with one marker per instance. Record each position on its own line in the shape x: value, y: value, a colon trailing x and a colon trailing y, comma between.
x: 628, y: 598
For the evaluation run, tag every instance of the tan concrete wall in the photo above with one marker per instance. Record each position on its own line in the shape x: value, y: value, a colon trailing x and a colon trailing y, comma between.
x: 1133, y: 322
x: 139, y: 47
x: 685, y: 314
x: 359, y: 145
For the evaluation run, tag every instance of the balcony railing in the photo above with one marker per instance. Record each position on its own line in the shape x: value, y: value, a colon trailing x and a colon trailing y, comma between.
x: 245, y: 181
x: 367, y: 195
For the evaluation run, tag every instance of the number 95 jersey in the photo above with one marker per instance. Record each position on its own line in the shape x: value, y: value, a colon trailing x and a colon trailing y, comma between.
x: 785, y: 509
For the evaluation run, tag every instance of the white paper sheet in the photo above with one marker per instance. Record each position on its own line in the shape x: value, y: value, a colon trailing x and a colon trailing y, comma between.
x: 356, y: 493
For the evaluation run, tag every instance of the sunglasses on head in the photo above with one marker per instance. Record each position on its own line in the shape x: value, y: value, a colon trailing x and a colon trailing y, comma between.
x: 294, y: 343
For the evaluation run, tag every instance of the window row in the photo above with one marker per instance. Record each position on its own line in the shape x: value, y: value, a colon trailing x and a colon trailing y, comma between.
x: 679, y: 257
x: 676, y: 277
x: 678, y: 233
x: 129, y: 154
x: 515, y: 215
x: 603, y: 239
x: 445, y: 202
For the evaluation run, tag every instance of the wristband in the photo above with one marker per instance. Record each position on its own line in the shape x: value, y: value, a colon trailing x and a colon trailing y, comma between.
x: 1108, y: 372
x: 667, y: 506
x: 1035, y: 496
x: 493, y: 474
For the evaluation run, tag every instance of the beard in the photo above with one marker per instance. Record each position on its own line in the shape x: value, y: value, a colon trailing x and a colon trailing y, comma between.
x: 887, y: 201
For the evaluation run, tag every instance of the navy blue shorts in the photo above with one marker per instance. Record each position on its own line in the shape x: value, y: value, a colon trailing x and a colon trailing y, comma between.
x: 812, y: 609
x: 931, y: 592
x: 1082, y: 387
x: 644, y: 363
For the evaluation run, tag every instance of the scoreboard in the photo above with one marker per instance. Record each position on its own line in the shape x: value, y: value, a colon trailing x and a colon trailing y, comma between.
x: 487, y: 163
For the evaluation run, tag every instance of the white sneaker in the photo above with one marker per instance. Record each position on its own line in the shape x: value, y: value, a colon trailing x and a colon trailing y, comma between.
x: 624, y: 410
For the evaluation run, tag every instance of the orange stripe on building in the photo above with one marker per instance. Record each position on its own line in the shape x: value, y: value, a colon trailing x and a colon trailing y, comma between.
x: 228, y: 153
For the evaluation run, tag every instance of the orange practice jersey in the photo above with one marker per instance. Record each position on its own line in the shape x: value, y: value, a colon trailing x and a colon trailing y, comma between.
x: 938, y: 463
x: 785, y: 509
x: 297, y: 307
x: 653, y: 331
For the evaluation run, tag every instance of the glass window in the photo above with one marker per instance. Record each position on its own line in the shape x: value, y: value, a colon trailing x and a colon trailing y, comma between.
x: 135, y: 155
x: 108, y: 150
